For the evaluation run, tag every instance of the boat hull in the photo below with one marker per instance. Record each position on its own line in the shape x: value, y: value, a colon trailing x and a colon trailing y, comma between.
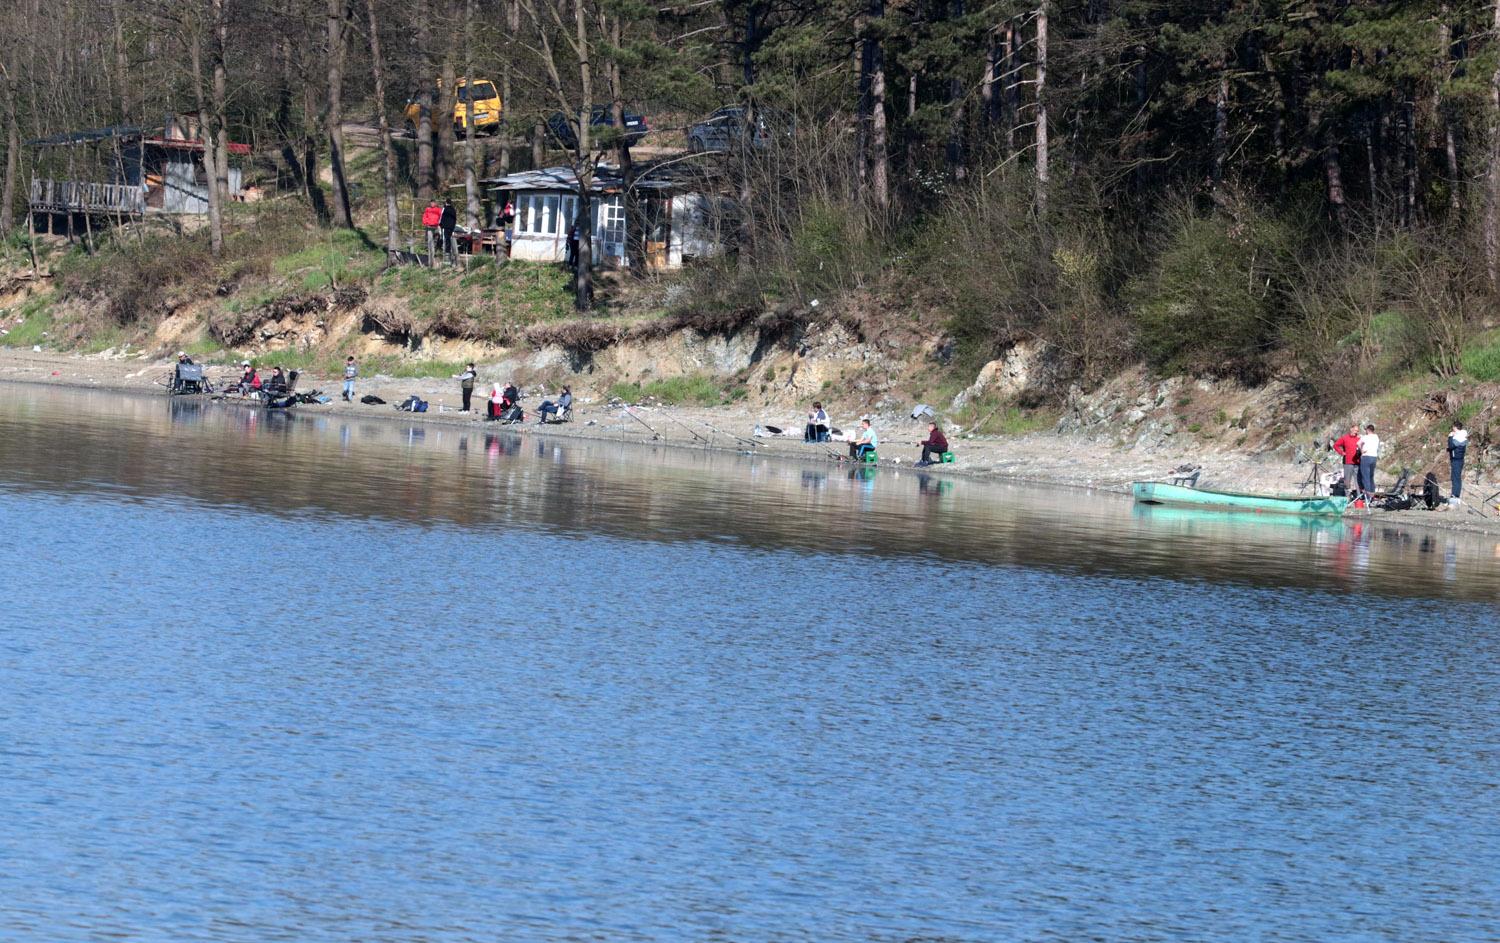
x: 1154, y: 492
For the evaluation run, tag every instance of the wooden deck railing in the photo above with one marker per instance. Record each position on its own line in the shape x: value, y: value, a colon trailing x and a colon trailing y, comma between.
x: 80, y: 196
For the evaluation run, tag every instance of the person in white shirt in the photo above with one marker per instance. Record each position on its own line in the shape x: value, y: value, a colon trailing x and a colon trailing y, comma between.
x: 1369, y: 451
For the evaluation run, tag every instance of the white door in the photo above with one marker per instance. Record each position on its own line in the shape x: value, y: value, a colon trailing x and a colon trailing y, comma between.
x: 609, y: 228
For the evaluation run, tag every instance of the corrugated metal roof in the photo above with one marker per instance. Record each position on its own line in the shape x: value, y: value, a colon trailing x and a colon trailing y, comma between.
x: 129, y: 133
x: 607, y: 179
x: 88, y: 136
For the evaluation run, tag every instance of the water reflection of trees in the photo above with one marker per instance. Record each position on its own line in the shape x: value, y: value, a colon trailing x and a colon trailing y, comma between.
x: 476, y: 476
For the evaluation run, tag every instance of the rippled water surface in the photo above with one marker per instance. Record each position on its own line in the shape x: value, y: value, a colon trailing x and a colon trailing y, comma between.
x: 308, y: 678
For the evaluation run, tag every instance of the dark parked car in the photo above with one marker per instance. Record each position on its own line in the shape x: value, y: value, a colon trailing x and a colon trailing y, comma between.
x: 561, y: 128
x: 730, y: 127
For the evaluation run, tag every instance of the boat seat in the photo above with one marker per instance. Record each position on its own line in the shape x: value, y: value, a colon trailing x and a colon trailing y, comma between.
x: 1187, y: 479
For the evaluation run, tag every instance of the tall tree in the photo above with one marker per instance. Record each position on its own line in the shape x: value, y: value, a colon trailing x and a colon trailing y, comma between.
x: 426, y: 102
x: 1043, y: 156
x: 387, y: 150
x: 333, y: 114
x: 196, y: 29
x: 472, y: 206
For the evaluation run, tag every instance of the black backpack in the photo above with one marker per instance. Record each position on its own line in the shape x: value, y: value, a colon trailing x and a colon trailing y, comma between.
x: 370, y: 399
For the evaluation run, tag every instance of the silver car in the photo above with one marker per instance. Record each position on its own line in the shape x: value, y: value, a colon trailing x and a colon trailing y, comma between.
x: 729, y: 127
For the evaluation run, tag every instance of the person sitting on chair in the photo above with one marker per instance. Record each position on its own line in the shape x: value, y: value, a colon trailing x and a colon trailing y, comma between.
x: 560, y: 409
x: 934, y: 447
x: 277, y: 383
x: 864, y: 443
x: 495, y: 410
x: 817, y: 425
x: 183, y: 360
x: 249, y: 379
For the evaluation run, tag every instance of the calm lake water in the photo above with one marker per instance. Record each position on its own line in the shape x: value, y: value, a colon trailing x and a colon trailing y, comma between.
x: 309, y: 678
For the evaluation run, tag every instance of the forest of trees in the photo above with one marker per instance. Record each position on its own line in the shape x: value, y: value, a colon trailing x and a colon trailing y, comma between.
x: 1241, y: 186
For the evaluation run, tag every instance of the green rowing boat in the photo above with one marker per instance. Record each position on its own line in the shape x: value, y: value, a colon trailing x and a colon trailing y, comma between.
x: 1155, y: 492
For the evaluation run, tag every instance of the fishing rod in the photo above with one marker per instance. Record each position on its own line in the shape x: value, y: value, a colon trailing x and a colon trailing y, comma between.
x: 629, y: 412
x: 687, y: 428
x: 731, y: 435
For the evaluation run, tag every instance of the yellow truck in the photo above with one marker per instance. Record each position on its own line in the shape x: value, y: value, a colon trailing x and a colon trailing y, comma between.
x: 487, y: 107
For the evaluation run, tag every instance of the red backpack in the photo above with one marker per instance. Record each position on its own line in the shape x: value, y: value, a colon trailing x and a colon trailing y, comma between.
x: 432, y: 216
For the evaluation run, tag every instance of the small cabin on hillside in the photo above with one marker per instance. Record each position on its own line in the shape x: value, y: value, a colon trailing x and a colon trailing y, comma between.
x: 681, y: 219
x: 127, y: 171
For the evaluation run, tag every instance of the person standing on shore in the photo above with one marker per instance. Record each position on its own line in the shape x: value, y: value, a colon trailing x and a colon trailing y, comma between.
x: 351, y: 370
x: 447, y: 223
x: 1369, y: 452
x: 1458, y: 444
x: 816, y: 429
x: 1347, y: 448
x: 466, y: 384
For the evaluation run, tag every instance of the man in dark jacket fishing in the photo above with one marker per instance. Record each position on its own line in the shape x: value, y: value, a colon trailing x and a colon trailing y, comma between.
x: 466, y: 384
x: 934, y: 447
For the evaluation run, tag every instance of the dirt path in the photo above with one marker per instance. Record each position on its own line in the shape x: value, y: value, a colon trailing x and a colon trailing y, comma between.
x: 1043, y: 458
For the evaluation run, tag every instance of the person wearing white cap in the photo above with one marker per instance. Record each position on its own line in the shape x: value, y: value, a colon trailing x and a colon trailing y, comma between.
x: 183, y: 360
x: 249, y: 379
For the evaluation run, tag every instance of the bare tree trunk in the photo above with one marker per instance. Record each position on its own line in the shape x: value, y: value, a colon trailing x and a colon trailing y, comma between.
x: 583, y: 283
x: 343, y: 214
x: 1492, y: 167
x: 1450, y: 151
x: 872, y: 78
x: 310, y: 182
x: 472, y: 207
x: 426, y: 101
x: 1333, y: 175
x: 1409, y: 160
x: 387, y: 150
x: 1441, y: 113
x: 122, y: 67
x: 538, y: 143
x: 1009, y: 106
x: 1043, y: 166
x: 505, y: 145
x: 12, y: 152
x: 220, y: 91
x: 989, y: 89
x: 447, y: 136
x: 215, y: 211
x: 1221, y: 126
x: 635, y: 233
x: 512, y: 29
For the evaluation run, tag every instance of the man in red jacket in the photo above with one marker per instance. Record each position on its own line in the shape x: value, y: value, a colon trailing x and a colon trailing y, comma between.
x: 1347, y: 448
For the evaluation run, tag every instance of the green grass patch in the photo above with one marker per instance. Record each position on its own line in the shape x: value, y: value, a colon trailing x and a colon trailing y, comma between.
x: 340, y: 257
x: 698, y: 390
x: 1468, y: 411
x: 512, y: 293
x: 36, y: 319
x: 1481, y: 360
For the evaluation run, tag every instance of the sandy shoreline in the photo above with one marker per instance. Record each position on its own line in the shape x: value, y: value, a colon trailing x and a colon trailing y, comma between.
x: 1045, y: 458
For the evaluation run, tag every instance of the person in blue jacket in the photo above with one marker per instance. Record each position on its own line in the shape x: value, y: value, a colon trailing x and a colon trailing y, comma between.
x: 1458, y: 444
